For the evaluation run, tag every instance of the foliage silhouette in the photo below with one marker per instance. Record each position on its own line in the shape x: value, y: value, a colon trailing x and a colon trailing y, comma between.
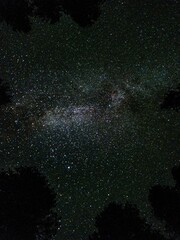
x: 118, y: 222
x: 26, y: 206
x: 83, y: 12
x: 176, y: 175
x: 165, y: 201
x: 17, y: 13
x: 5, y: 96
x: 172, y: 100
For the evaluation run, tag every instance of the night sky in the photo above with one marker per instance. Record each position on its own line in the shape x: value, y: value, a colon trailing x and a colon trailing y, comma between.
x: 86, y: 107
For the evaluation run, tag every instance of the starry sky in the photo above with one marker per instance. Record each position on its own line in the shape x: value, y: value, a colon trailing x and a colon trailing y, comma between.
x: 86, y: 107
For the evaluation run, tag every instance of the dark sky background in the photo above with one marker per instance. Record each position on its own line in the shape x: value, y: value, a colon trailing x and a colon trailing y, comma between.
x: 93, y: 151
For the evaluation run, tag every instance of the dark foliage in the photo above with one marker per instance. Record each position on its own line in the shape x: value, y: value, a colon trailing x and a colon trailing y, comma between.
x: 172, y: 100
x: 166, y: 203
x: 83, y: 12
x: 48, y: 10
x: 118, y: 222
x: 176, y: 175
x: 26, y: 206
x: 17, y: 13
x: 5, y: 96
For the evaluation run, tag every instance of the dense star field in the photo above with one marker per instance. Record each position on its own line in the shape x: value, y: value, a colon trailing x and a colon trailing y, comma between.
x: 86, y: 107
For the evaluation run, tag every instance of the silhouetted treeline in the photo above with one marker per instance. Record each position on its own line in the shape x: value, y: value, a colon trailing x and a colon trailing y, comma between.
x: 27, y: 211
x: 26, y: 206
x: 172, y: 100
x: 17, y: 13
x: 5, y: 96
x: 165, y: 201
x: 118, y: 222
x: 123, y: 222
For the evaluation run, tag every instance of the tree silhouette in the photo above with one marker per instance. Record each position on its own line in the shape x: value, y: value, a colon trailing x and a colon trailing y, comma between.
x: 83, y: 12
x: 17, y: 13
x: 176, y: 175
x: 26, y: 206
x: 172, y: 100
x: 118, y: 222
x: 5, y: 96
x: 165, y: 201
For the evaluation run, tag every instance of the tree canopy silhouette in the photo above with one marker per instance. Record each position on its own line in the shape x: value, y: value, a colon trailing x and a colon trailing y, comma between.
x: 5, y: 96
x: 118, y: 222
x: 26, y: 206
x: 172, y: 100
x: 165, y: 201
x: 17, y: 13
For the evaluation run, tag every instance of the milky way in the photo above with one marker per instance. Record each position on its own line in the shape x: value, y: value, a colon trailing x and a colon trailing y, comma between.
x: 86, y: 109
